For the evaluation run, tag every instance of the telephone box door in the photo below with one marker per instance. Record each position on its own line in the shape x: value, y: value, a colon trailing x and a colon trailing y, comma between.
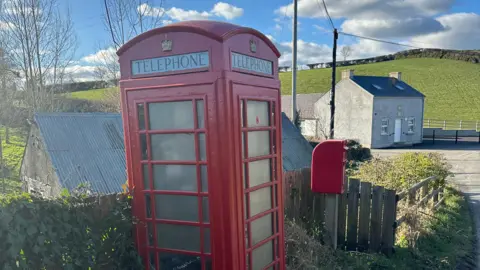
x: 169, y: 153
x: 259, y: 126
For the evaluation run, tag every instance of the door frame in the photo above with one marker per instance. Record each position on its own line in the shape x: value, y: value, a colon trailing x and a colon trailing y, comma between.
x: 397, y: 132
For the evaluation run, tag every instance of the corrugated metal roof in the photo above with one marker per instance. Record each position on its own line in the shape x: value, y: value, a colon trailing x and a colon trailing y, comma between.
x: 386, y: 86
x: 85, y: 148
x: 89, y: 148
x: 305, y: 105
x: 296, y: 150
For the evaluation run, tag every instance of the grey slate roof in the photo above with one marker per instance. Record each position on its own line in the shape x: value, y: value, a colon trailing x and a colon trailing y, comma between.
x: 89, y: 148
x: 305, y: 103
x: 296, y: 150
x: 85, y: 147
x: 387, y: 85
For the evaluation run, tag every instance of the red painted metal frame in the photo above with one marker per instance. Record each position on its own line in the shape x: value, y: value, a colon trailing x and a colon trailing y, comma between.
x: 222, y: 89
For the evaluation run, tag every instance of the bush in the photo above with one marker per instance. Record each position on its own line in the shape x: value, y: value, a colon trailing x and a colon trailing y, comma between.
x: 71, y: 232
x: 401, y: 172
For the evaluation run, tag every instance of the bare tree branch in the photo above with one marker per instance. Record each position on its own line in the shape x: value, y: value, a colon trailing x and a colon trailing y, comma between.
x: 346, y: 51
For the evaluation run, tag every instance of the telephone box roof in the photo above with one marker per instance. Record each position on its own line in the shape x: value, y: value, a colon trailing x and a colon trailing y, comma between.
x: 219, y: 31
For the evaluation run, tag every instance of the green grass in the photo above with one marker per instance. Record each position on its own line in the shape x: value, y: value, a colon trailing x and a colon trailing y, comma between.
x: 447, y: 243
x: 95, y: 94
x: 12, y: 155
x: 452, y: 88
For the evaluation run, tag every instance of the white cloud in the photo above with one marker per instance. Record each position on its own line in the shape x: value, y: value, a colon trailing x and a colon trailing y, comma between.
x: 462, y: 32
x: 367, y: 8
x: 179, y: 14
x: 165, y: 22
x: 100, y: 56
x: 387, y: 28
x: 227, y: 11
x: 307, y: 52
x: 220, y: 9
x: 278, y: 27
x: 81, y: 73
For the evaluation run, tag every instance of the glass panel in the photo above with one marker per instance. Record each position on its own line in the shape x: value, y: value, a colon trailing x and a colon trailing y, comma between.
x: 176, y: 207
x: 258, y: 143
x: 179, y: 261
x: 257, y: 114
x: 148, y: 205
x: 141, y: 116
x: 173, y: 146
x: 262, y: 228
x: 201, y: 146
x: 150, y: 233
x: 245, y: 206
x: 206, y: 240
x: 146, y: 180
x: 241, y: 113
x: 181, y: 237
x: 243, y: 144
x: 152, y: 260
x: 205, y: 212
x: 208, y: 263
x: 143, y: 146
x: 262, y: 256
x: 175, y: 177
x: 200, y: 114
x: 259, y: 172
x: 244, y: 175
x: 170, y: 115
x: 260, y: 201
x: 204, y: 177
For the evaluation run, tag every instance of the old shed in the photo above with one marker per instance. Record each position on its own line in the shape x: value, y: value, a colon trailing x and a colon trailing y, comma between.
x: 66, y: 150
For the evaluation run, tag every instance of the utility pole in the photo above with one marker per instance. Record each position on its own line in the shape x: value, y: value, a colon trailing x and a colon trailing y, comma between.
x: 294, y: 64
x: 332, y: 93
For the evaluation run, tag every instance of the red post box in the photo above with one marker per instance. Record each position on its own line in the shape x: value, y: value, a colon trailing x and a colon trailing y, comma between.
x: 328, y: 167
x: 202, y: 122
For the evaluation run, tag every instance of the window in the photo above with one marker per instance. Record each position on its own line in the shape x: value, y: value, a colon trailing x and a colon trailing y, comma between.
x: 377, y: 87
x: 411, y: 125
x: 384, y: 126
x: 399, y: 87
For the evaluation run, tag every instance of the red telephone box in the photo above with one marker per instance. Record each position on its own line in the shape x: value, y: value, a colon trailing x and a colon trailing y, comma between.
x: 201, y: 112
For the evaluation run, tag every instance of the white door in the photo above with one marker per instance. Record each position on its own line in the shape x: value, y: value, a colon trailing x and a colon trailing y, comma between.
x: 398, y: 130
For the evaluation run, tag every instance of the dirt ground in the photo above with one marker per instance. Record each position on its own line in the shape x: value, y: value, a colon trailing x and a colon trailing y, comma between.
x: 465, y: 160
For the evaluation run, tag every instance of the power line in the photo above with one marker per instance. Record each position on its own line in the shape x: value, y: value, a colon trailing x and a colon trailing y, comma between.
x: 326, y: 11
x: 380, y: 40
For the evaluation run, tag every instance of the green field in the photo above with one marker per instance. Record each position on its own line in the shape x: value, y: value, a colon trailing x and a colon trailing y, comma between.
x: 12, y: 154
x: 95, y: 94
x: 452, y: 88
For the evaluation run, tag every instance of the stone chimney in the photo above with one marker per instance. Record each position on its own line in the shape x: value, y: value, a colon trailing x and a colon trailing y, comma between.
x: 396, y: 75
x: 347, y: 74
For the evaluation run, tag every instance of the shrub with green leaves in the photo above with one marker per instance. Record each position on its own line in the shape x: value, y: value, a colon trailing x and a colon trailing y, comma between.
x: 402, y: 171
x: 70, y: 232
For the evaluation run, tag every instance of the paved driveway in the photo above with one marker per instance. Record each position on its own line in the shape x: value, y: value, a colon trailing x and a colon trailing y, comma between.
x: 465, y: 161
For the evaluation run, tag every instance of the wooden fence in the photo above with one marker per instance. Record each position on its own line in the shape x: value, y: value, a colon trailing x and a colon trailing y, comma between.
x: 367, y: 214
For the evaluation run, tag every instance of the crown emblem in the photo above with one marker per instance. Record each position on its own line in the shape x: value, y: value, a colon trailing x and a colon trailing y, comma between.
x: 253, y: 46
x: 167, y: 45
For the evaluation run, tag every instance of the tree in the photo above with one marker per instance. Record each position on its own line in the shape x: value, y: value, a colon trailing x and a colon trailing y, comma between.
x: 346, y: 51
x: 40, y: 42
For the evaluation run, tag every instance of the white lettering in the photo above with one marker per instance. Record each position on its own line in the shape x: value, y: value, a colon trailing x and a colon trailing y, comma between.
x: 249, y: 63
x: 180, y: 62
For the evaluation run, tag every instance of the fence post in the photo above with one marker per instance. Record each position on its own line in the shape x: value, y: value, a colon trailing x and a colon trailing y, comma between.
x: 364, y: 222
x: 342, y: 215
x: 352, y: 209
x: 389, y: 213
x: 411, y: 197
x: 428, y: 122
x: 444, y: 124
x: 460, y: 124
x: 456, y: 136
x: 331, y: 219
x: 424, y: 193
x: 376, y: 222
x: 433, y: 140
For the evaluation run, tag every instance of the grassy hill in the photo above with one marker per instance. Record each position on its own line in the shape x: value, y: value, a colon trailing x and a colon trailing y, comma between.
x: 452, y: 88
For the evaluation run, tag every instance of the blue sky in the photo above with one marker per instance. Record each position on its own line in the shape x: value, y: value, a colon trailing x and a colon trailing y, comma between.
x: 424, y: 23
